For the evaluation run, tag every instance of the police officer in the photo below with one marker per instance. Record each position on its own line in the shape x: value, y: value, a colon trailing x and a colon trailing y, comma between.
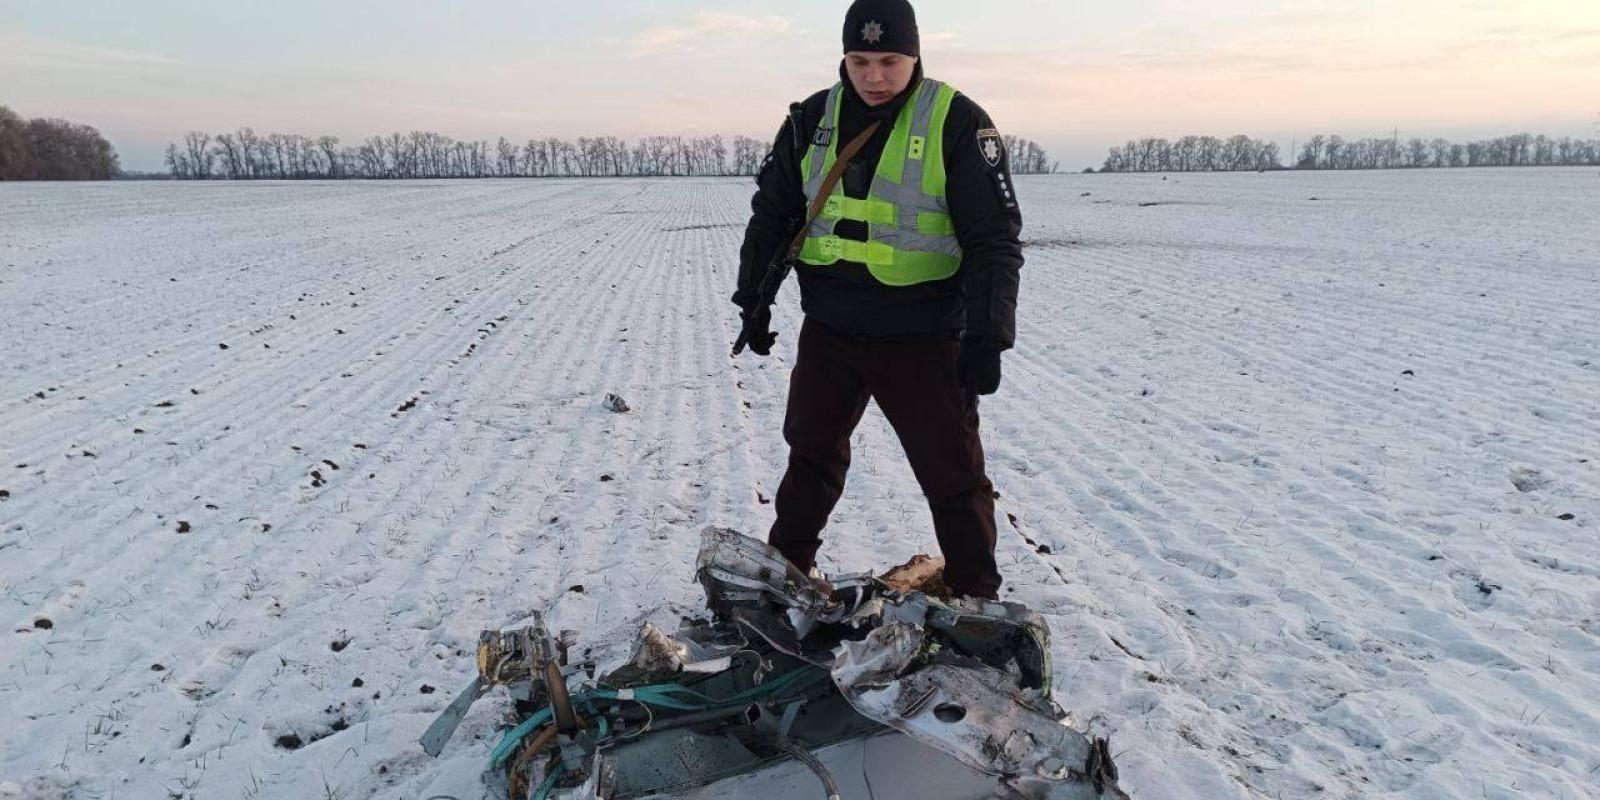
x: 908, y: 280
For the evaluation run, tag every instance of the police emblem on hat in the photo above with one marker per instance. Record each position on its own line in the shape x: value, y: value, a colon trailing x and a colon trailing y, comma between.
x: 872, y: 32
x: 990, y: 145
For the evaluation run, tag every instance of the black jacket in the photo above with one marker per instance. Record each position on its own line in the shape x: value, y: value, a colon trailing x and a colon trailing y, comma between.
x: 979, y: 300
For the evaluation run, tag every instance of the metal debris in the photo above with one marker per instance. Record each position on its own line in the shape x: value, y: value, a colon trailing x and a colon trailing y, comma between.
x: 793, y: 673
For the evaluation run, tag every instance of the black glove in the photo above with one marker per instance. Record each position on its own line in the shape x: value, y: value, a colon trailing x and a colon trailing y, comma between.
x: 978, y: 367
x: 758, y: 324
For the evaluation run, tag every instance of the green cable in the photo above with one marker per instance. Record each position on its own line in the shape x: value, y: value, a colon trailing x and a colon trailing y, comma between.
x: 654, y: 694
x: 497, y: 757
x: 549, y: 782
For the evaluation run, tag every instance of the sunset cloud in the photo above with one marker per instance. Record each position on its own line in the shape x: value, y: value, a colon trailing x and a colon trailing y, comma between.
x: 28, y: 52
x: 711, y: 30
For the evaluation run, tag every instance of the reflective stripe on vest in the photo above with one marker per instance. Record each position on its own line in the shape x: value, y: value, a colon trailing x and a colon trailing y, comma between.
x: 910, y: 237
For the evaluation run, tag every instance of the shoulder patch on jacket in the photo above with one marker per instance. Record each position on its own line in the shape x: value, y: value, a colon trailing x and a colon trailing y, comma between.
x: 991, y: 146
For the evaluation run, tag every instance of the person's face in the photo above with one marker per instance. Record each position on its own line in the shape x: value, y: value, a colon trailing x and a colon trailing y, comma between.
x: 879, y: 77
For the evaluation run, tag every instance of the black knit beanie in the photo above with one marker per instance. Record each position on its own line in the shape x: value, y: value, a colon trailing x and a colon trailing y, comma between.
x: 882, y: 26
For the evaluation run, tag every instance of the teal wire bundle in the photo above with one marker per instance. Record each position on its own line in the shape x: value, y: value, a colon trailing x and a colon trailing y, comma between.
x: 672, y: 696
x: 549, y: 783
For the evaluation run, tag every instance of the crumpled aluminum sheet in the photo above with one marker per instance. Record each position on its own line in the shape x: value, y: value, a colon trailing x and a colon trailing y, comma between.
x: 1000, y: 721
x: 974, y: 714
x: 899, y: 665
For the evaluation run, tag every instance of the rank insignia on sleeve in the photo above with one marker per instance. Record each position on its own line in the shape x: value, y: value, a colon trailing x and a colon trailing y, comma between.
x: 1003, y: 191
x: 990, y: 146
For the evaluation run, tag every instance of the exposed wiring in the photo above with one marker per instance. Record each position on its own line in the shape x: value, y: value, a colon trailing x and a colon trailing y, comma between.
x: 815, y: 764
x: 518, y: 771
x: 594, y: 712
x: 549, y: 782
x: 649, y: 719
x: 659, y: 695
x: 509, y: 742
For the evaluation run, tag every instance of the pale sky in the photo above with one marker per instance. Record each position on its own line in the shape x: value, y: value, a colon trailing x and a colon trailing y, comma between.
x: 1076, y: 76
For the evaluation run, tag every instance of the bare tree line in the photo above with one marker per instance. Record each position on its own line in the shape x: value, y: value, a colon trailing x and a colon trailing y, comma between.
x: 1193, y: 154
x: 423, y: 154
x: 244, y: 154
x: 1212, y: 154
x: 53, y: 150
x: 1518, y: 150
x: 1027, y: 157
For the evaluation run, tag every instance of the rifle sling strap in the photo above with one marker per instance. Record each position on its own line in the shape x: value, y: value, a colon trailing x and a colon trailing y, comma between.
x: 828, y: 182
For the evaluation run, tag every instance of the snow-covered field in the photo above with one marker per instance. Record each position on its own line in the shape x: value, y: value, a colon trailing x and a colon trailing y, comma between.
x: 1304, y: 470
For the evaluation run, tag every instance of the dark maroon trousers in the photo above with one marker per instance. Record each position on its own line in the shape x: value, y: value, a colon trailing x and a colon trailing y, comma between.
x: 914, y: 383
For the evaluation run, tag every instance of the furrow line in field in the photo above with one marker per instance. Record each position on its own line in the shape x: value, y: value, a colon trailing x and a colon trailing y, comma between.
x: 1347, y: 383
x: 567, y: 288
x: 288, y: 265
x: 297, y: 352
x: 202, y: 475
